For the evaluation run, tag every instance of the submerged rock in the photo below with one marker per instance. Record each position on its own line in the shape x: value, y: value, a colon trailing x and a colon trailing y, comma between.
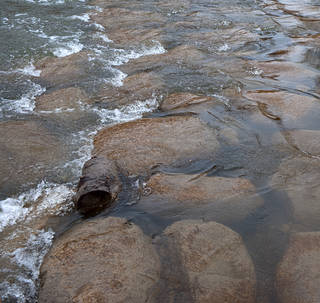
x: 104, y: 260
x: 62, y: 99
x: 139, y: 145
x: 298, y: 277
x: 138, y: 87
x: 293, y: 110
x: 111, y: 260
x: 215, y: 263
x: 299, y: 178
x: 218, y: 198
x: 65, y: 70
x: 181, y: 100
x: 28, y: 148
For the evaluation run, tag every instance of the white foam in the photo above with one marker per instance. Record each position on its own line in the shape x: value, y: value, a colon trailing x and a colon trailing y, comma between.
x: 99, y: 27
x: 124, y: 56
x: 127, y: 113
x: 83, y: 154
x: 84, y: 17
x: 26, y: 103
x: 30, y: 70
x: 45, y: 198
x: 70, y: 48
x: 29, y: 259
x: 223, y: 48
x: 103, y: 37
x: 118, y: 77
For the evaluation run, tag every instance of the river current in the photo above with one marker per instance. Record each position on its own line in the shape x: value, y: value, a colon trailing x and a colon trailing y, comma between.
x: 31, y: 30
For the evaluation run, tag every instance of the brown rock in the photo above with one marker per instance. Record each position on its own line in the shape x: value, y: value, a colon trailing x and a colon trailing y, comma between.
x: 137, y: 87
x: 299, y: 178
x: 104, y: 260
x: 288, y: 72
x: 110, y: 17
x: 298, y: 277
x: 65, y: 70
x: 62, y: 99
x: 132, y: 36
x: 219, y: 198
x: 182, y: 55
x: 139, y: 145
x: 307, y: 141
x: 215, y: 261
x: 180, y: 100
x: 27, y: 148
x: 290, y: 108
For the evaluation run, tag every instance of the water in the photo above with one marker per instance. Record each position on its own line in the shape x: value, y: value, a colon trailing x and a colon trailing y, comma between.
x: 230, y: 46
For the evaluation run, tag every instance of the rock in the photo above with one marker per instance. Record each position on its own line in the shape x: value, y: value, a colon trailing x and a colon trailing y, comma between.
x: 293, y: 110
x: 109, y: 18
x: 63, y: 71
x: 61, y: 99
x: 99, y: 185
x: 216, y: 264
x: 298, y: 279
x: 103, y: 260
x: 137, y: 87
x: 28, y: 149
x: 299, y: 178
x: 180, y: 100
x: 183, y: 55
x: 307, y: 141
x: 139, y: 145
x: 290, y: 73
x: 219, y: 198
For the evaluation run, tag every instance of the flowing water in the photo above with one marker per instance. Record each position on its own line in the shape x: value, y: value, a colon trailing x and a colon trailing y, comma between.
x: 237, y: 40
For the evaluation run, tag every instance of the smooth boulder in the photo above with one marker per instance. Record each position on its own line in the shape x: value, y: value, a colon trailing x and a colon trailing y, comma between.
x: 103, y: 260
x: 298, y: 278
x: 215, y: 262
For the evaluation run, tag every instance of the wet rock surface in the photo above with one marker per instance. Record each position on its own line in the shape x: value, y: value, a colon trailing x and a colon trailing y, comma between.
x: 65, y: 71
x: 139, y: 87
x: 111, y: 260
x: 215, y: 261
x: 215, y: 198
x: 140, y: 145
x: 299, y: 177
x: 62, y: 99
x: 34, y: 147
x: 233, y: 139
x: 105, y: 260
x: 298, y: 272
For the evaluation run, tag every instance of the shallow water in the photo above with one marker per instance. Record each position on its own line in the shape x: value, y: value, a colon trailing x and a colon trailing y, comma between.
x: 230, y: 48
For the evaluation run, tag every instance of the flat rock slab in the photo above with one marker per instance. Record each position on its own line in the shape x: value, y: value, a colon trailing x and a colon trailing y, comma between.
x: 183, y: 55
x: 299, y: 178
x: 294, y: 110
x: 137, y: 87
x: 105, y: 260
x: 63, y: 71
x: 184, y: 100
x: 26, y: 158
x: 62, y: 99
x: 219, y: 198
x: 298, y: 277
x: 139, y: 145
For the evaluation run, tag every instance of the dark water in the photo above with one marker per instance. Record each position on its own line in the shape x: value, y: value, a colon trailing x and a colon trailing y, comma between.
x: 233, y: 40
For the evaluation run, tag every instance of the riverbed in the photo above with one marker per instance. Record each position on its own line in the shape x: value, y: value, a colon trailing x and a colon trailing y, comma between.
x: 68, y: 69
